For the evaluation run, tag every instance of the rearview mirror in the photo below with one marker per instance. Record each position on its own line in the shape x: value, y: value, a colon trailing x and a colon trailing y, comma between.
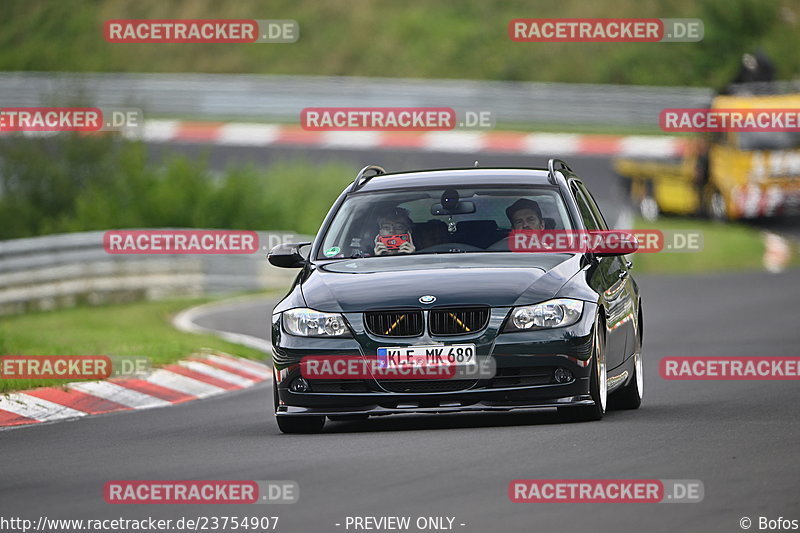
x: 287, y: 255
x: 462, y: 208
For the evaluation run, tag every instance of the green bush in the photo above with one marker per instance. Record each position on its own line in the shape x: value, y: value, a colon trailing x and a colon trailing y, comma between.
x: 70, y: 183
x: 414, y: 38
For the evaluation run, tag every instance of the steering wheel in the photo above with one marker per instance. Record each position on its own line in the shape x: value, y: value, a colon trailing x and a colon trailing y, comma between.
x: 500, y: 246
x: 451, y: 247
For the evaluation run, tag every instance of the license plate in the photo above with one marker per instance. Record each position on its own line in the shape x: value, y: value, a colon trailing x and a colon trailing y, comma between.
x: 424, y: 356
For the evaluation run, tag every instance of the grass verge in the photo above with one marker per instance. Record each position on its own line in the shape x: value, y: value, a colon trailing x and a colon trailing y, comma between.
x: 142, y: 328
x: 467, y: 39
x: 726, y: 247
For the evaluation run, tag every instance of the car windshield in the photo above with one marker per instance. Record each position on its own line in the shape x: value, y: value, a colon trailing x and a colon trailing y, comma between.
x: 437, y: 220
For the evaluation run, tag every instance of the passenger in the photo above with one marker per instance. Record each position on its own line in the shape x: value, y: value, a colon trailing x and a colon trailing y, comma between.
x: 394, y: 222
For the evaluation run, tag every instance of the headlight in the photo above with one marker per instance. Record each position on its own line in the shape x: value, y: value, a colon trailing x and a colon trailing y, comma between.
x: 550, y: 314
x: 309, y: 323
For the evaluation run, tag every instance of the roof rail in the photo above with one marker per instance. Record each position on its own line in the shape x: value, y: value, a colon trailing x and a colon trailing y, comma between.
x: 551, y: 169
x: 362, y: 178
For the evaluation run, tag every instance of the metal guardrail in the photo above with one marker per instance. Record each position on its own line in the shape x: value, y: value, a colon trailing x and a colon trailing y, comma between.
x: 281, y: 98
x: 57, y: 271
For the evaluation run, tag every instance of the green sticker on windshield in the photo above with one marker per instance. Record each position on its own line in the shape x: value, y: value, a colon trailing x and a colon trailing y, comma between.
x: 333, y: 250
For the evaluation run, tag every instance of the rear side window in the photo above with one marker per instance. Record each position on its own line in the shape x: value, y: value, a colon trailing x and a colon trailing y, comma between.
x: 598, y: 215
x: 583, y: 208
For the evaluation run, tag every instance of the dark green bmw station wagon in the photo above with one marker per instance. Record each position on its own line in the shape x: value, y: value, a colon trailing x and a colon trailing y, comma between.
x: 416, y: 270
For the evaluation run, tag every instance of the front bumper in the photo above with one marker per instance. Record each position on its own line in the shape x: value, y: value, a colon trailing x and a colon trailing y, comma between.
x: 524, y: 379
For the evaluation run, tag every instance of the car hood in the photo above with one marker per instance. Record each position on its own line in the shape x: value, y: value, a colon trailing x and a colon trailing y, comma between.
x: 494, y: 279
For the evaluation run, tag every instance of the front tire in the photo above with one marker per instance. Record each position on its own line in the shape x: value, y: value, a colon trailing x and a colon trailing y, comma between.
x: 301, y: 424
x: 598, y: 384
x: 630, y: 396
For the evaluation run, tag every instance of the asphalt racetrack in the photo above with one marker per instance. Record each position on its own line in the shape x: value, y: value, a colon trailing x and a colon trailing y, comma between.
x: 738, y: 437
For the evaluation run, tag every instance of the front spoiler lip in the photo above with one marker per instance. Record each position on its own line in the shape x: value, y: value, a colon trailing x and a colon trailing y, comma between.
x: 376, y: 410
x: 476, y: 389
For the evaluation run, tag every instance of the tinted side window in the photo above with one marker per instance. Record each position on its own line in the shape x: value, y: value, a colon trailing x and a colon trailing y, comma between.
x: 593, y: 206
x: 584, y: 209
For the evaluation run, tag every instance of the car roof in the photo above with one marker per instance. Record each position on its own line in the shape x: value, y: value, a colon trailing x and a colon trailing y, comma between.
x: 461, y: 177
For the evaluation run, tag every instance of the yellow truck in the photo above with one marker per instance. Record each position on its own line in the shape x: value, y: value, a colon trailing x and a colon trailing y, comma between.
x: 726, y: 175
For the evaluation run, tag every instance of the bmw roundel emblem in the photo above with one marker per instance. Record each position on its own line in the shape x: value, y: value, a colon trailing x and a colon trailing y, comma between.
x: 427, y: 299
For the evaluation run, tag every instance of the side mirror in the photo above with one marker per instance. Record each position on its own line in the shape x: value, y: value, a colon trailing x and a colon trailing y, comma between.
x: 622, y: 244
x: 287, y: 255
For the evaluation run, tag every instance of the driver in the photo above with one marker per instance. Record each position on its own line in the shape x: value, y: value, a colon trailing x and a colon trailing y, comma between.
x: 525, y: 214
x: 394, y: 222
